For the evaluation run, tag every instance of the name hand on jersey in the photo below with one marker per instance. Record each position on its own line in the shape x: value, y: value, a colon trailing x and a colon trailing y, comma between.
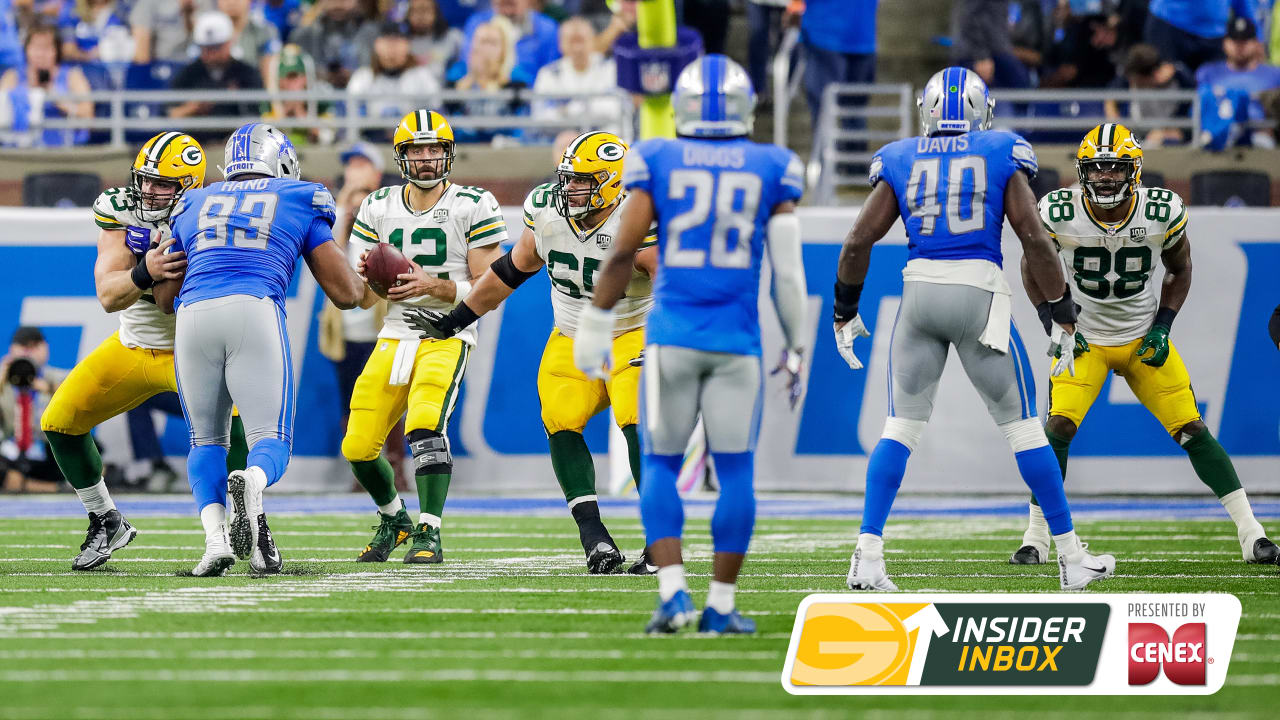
x: 845, y: 335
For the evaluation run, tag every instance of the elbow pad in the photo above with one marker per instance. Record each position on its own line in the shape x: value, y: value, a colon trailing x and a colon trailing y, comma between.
x: 508, y: 273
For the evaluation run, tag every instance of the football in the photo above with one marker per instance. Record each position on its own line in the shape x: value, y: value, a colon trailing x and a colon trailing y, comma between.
x: 382, y: 265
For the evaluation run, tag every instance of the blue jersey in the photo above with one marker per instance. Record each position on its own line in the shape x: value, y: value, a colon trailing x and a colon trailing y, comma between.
x: 244, y: 237
x: 950, y: 190
x: 712, y: 200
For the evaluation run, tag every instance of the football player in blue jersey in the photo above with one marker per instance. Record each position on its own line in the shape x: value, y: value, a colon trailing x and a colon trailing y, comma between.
x: 243, y: 238
x: 719, y: 201
x: 953, y: 186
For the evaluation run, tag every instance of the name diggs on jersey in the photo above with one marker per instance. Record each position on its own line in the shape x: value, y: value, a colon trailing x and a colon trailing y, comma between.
x: 733, y: 157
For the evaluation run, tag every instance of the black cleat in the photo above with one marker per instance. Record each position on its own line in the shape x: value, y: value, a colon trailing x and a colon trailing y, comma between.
x: 603, y: 558
x: 1265, y: 552
x: 1027, y: 555
x: 643, y: 566
x: 107, y: 533
x: 266, y: 558
x: 392, y: 530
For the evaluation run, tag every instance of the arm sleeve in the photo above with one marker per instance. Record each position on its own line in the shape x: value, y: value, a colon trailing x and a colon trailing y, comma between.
x: 488, y: 227
x: 635, y: 171
x: 790, y: 296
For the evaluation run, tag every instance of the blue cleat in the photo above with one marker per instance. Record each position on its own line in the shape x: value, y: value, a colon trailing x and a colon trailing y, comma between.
x: 713, y: 621
x: 672, y: 615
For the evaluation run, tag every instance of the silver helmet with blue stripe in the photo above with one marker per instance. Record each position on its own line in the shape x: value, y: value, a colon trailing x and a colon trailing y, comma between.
x: 260, y: 149
x: 955, y: 100
x: 713, y: 98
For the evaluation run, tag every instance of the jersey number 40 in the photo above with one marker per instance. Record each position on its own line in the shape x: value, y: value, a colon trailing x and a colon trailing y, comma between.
x: 965, y: 178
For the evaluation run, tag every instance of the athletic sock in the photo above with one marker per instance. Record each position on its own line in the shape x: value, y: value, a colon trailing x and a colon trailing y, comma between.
x: 571, y: 460
x: 671, y: 581
x: 885, y: 468
x: 1212, y: 464
x: 1237, y: 505
x: 1037, y: 529
x: 214, y: 519
x: 271, y: 455
x: 586, y: 513
x: 633, y: 452
x: 720, y: 596
x: 1068, y: 545
x: 1061, y: 448
x: 1040, y: 471
x: 238, y: 453
x: 393, y: 507
x: 96, y: 498
x: 432, y: 490
x: 870, y: 543
x: 434, y: 521
x: 378, y: 479
x: 77, y: 457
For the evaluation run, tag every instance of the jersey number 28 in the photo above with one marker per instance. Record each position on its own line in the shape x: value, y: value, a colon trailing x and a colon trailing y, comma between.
x: 737, y: 198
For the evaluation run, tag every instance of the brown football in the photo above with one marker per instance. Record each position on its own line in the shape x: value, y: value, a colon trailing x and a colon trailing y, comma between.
x: 382, y: 265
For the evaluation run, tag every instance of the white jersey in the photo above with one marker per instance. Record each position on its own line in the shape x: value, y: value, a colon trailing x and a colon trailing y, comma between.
x: 574, y: 255
x: 436, y: 239
x: 142, y: 324
x: 1110, y: 266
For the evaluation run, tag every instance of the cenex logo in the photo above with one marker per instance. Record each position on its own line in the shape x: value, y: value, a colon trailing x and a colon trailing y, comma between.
x: 1183, y: 657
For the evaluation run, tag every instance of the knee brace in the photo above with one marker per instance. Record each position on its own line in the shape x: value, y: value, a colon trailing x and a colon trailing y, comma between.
x: 907, y: 432
x: 1024, y: 434
x: 430, y: 452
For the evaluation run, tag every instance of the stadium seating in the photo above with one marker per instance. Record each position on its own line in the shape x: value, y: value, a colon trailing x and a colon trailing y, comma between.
x: 1231, y: 188
x: 60, y: 189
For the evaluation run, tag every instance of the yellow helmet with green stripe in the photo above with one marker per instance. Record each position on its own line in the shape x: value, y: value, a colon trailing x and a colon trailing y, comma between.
x: 167, y: 166
x: 590, y: 173
x: 425, y: 128
x: 1109, y: 164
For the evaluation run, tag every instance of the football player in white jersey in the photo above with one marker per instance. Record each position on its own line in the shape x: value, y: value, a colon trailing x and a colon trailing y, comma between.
x: 1109, y: 233
x: 451, y: 233
x: 136, y: 362
x: 569, y: 229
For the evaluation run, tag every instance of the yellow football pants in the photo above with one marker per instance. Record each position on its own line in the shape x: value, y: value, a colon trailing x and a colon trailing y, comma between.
x: 108, y: 381
x: 428, y: 397
x: 1165, y: 391
x: 569, y: 398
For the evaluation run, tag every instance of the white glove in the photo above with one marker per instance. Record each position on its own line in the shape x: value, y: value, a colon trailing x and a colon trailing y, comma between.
x: 593, y: 343
x: 1063, y: 348
x: 845, y: 335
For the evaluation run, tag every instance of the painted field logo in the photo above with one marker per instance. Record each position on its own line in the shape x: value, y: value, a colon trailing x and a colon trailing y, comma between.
x: 858, y: 644
x: 1183, y: 656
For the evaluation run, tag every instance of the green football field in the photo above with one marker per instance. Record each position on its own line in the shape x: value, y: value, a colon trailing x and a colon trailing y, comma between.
x: 510, y: 626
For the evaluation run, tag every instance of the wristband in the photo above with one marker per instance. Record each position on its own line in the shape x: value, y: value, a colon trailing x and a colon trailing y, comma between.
x: 846, y: 304
x: 461, y: 289
x: 462, y: 316
x: 1063, y: 310
x: 141, y: 277
x: 1165, y: 316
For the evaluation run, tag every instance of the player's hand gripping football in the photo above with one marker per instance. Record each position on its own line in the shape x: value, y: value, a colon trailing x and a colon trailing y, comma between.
x: 792, y: 363
x: 430, y: 323
x: 845, y: 335
x: 415, y: 283
x: 163, y: 265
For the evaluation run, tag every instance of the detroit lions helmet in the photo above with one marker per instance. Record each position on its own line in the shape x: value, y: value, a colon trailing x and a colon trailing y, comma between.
x: 261, y: 149
x: 713, y: 98
x: 955, y: 100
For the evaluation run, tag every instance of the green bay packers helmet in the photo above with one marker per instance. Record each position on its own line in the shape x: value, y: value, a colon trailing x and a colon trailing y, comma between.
x: 423, y: 127
x: 170, y: 158
x: 595, y: 157
x: 1109, y: 148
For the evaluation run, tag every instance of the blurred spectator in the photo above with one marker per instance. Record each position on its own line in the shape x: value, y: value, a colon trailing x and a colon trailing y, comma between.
x: 1144, y: 69
x: 334, y: 38
x: 1245, y: 70
x: 980, y: 30
x: 26, y: 385
x: 1191, y: 31
x: 431, y: 40
x: 580, y: 71
x: 458, y: 12
x: 711, y: 19
x: 257, y: 42
x: 10, y: 35
x: 24, y: 91
x: 839, y: 41
x: 764, y: 26
x: 1086, y: 55
x: 1029, y: 35
x: 297, y: 73
x: 490, y: 67
x: 95, y: 30
x: 392, y: 75
x: 1273, y: 46
x: 162, y: 29
x: 619, y: 22
x: 215, y: 69
x: 536, y: 41
x: 283, y: 14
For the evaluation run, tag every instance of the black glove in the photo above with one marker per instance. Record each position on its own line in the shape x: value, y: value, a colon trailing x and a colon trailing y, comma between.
x: 1063, y: 311
x: 437, y: 325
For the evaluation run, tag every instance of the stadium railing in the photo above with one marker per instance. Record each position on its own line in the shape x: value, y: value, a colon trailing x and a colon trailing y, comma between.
x: 787, y: 71
x: 855, y: 120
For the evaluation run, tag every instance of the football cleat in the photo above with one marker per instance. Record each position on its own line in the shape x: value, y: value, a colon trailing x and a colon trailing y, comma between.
x: 392, y: 531
x: 673, y: 614
x: 1264, y: 552
x: 1029, y: 555
x: 643, y: 566
x: 217, y: 556
x: 712, y: 621
x: 1086, y: 569
x: 426, y: 546
x: 244, y: 490
x: 605, y: 559
x: 866, y: 572
x: 108, y: 532
x: 266, y: 558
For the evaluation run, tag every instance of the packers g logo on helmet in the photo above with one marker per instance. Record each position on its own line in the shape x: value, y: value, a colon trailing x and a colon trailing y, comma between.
x: 168, y: 159
x: 594, y: 157
x: 423, y: 127
x: 1109, y: 146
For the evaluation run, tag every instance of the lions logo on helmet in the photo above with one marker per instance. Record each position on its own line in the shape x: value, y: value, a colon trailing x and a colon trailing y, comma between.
x: 590, y: 172
x: 1109, y: 165
x: 424, y: 127
x: 167, y: 166
x: 713, y: 97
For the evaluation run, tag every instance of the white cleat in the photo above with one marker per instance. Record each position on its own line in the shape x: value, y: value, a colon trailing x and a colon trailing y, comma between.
x: 1085, y: 569
x: 244, y: 493
x: 217, y: 557
x: 866, y: 572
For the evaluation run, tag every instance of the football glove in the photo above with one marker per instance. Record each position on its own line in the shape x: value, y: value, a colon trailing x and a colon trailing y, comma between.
x: 431, y: 323
x: 791, y: 362
x: 845, y: 335
x: 637, y: 361
x: 1157, y: 343
x: 593, y: 342
x: 1062, y: 348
